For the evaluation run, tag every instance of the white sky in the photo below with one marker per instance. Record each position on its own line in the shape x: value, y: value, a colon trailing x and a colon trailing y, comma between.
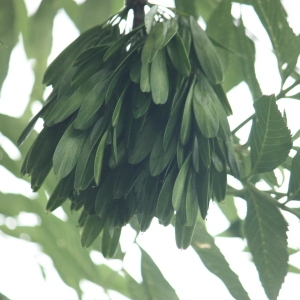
x: 183, y: 269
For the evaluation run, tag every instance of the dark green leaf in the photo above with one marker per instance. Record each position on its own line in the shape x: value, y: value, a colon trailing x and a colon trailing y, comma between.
x: 186, y: 122
x: 99, y: 158
x: 153, y: 42
x: 143, y: 142
x: 92, y: 228
x: 205, y: 111
x: 58, y: 67
x: 180, y: 183
x: 270, y: 139
x: 164, y: 209
x: 62, y: 191
x: 110, y: 243
x: 179, y: 56
x: 160, y: 158
x: 206, y: 53
x: 183, y: 233
x: 172, y: 27
x: 67, y: 151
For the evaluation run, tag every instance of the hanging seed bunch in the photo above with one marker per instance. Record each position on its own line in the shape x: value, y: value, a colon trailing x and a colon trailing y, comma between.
x: 136, y: 124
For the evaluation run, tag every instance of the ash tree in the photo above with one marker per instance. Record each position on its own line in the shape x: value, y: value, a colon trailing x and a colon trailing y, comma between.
x: 136, y: 127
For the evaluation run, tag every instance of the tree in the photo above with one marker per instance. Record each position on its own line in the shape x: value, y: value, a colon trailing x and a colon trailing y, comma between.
x: 266, y: 153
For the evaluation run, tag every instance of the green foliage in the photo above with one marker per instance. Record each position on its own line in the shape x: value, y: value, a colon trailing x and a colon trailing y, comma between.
x: 136, y: 127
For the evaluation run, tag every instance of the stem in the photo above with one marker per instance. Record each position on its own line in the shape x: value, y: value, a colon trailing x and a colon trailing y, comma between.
x: 279, y: 96
x: 138, y: 10
x: 270, y: 199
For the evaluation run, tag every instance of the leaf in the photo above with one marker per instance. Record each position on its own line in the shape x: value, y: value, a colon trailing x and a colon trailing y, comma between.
x: 208, y: 92
x: 265, y: 230
x: 60, y: 245
x: 206, y: 53
x: 156, y: 285
x: 143, y: 142
x: 164, y: 208
x: 211, y: 256
x: 183, y: 233
x: 294, y: 184
x: 159, y: 79
x: 99, y: 158
x: 8, y: 34
x: 284, y: 41
x: 114, y: 48
x: 204, y: 110
x: 180, y: 182
x: 186, y: 122
x: 174, y: 117
x: 110, y: 243
x: 140, y: 103
x: 67, y: 151
x: 93, y: 101
x: 68, y: 104
x: 92, y: 228
x: 160, y: 158
x: 145, y: 78
x: 179, y: 56
x: 153, y: 42
x: 270, y: 139
x: 62, y: 191
x: 58, y: 67
x: 149, y: 18
x: 172, y: 27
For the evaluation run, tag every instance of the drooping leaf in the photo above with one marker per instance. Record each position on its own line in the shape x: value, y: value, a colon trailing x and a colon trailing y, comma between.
x: 215, y: 262
x: 58, y: 67
x: 270, y: 139
x: 157, y: 286
x: 164, y: 208
x: 204, y: 110
x: 159, y: 79
x: 180, y: 183
x: 178, y: 55
x: 110, y: 242
x: 99, y: 158
x: 67, y: 151
x: 171, y: 27
x: 186, y: 122
x: 153, y: 42
x: 206, y: 53
x: 160, y: 158
x: 265, y: 230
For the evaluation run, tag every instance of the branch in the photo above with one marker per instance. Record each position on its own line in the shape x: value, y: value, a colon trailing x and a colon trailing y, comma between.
x: 267, y: 197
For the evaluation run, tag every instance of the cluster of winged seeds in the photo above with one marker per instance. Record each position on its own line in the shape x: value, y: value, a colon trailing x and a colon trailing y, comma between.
x: 136, y: 124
